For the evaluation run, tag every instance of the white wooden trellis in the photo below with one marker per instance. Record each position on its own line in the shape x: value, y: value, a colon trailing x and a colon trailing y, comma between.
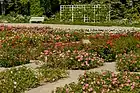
x: 84, y: 13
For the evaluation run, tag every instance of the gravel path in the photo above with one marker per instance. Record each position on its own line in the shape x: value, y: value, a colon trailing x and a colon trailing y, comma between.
x: 72, y: 26
x: 73, y: 77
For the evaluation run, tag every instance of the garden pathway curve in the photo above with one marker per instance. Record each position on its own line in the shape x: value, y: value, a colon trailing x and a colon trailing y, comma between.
x: 73, y: 77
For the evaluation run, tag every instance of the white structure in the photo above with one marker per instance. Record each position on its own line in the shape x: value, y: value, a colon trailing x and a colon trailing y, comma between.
x: 2, y: 5
x: 37, y: 19
x: 84, y: 13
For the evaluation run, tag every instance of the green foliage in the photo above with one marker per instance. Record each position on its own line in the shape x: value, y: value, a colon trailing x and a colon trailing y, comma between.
x: 35, y: 8
x: 122, y: 23
x: 120, y: 9
x: 107, y: 54
x: 13, y: 57
x: 14, y: 18
x: 17, y: 80
x: 128, y: 62
x: 24, y: 1
x: 18, y: 6
x: 74, y: 60
x: 64, y: 49
x: 14, y: 50
x: 21, y: 7
x: 125, y: 10
x: 46, y: 5
x: 47, y: 74
x: 107, y: 82
x: 126, y: 44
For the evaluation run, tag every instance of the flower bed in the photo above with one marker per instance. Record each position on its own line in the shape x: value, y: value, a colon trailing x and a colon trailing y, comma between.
x: 77, y: 59
x: 18, y: 80
x: 64, y: 48
x: 128, y: 62
x: 107, y: 82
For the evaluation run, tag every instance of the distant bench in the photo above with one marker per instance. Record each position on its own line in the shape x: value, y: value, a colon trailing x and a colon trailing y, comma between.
x: 37, y: 19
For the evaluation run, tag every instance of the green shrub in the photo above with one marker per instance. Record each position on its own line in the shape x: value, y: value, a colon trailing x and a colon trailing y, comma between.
x: 14, y: 50
x: 126, y: 44
x: 14, y: 18
x: 75, y: 59
x: 128, y: 62
x: 47, y: 74
x: 107, y: 54
x: 17, y: 80
x: 107, y: 82
x: 36, y: 9
x: 13, y: 57
x: 19, y: 45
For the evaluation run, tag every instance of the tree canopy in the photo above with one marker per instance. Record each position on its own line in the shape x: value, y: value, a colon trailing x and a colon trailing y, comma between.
x: 119, y: 8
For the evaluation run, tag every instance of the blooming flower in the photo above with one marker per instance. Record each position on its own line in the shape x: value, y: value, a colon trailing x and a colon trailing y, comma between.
x: 15, y: 83
x: 67, y: 90
x: 128, y: 80
x: 90, y: 89
x: 86, y: 85
x: 46, y: 52
x: 84, y: 88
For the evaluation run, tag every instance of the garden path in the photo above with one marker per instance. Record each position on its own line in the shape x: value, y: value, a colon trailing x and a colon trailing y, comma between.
x: 61, y: 26
x: 73, y: 77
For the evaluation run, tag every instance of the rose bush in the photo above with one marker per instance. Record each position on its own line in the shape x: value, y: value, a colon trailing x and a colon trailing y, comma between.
x: 76, y: 59
x: 18, y: 80
x: 19, y: 45
x: 128, y: 62
x: 107, y: 82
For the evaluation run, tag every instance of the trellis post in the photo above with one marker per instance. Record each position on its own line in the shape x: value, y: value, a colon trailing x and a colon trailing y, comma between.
x: 72, y: 13
x: 109, y: 11
x: 60, y: 12
x: 94, y: 15
x: 84, y: 14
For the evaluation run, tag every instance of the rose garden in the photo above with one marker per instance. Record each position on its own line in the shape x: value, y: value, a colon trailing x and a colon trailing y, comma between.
x: 57, y: 51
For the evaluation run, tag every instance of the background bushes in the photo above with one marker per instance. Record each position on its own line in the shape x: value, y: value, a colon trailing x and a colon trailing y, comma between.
x: 120, y: 9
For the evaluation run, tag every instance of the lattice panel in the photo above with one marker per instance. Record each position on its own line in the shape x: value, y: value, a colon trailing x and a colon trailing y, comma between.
x: 84, y: 13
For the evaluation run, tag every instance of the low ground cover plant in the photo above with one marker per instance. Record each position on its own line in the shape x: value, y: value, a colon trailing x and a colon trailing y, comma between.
x: 106, y: 82
x: 47, y: 74
x: 18, y: 80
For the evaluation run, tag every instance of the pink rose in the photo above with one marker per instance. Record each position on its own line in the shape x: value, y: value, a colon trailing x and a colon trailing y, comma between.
x: 86, y: 85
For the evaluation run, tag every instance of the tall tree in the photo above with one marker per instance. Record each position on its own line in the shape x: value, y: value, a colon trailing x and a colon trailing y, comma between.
x: 18, y: 6
x: 46, y: 4
x: 35, y: 8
